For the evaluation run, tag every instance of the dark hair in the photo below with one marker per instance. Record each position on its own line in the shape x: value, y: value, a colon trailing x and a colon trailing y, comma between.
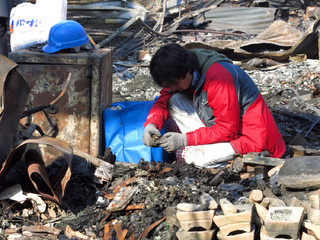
x: 170, y: 63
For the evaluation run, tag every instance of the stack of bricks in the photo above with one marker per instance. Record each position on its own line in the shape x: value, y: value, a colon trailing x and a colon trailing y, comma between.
x: 263, y: 216
x: 312, y: 225
x: 195, y: 220
x: 279, y: 219
x: 234, y: 225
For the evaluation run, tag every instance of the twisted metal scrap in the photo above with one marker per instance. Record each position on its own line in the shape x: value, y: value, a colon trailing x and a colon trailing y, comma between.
x: 36, y: 169
x: 14, y: 93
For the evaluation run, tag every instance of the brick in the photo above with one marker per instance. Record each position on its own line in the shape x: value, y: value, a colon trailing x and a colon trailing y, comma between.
x: 195, y: 235
x: 314, y: 215
x: 314, y: 200
x: 264, y: 235
x: 198, y: 215
x: 276, y: 202
x: 306, y: 236
x: 204, y: 224
x: 261, y: 211
x: 240, y: 236
x: 236, y: 227
x: 274, y: 170
x: 284, y: 221
x: 245, y: 175
x: 256, y: 195
x: 190, y: 220
x: 265, y: 202
x: 227, y: 207
x: 312, y: 229
x: 223, y: 220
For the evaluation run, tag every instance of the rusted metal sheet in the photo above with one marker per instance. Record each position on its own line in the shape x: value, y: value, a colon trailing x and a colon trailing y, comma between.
x: 307, y: 44
x: 78, y: 113
x: 110, y: 12
x: 53, y: 191
x: 252, y: 20
x: 15, y: 92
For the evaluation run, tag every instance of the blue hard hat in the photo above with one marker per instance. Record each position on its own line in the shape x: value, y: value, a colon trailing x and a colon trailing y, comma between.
x: 65, y: 34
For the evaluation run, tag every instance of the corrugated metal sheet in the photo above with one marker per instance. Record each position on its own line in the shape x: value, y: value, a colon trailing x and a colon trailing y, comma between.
x: 252, y: 20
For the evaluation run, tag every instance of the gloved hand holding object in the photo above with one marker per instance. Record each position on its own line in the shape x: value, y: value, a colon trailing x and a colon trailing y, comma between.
x: 172, y: 141
x: 151, y: 136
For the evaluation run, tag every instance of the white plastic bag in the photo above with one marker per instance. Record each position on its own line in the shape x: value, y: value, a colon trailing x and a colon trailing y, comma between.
x: 30, y: 23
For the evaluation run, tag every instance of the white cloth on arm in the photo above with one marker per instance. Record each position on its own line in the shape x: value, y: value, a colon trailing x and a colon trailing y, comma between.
x: 182, y: 110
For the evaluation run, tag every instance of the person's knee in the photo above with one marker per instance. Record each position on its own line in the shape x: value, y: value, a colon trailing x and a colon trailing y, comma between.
x: 180, y: 102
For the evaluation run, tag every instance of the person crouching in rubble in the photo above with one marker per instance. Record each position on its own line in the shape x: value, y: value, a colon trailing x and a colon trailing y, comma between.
x: 216, y: 106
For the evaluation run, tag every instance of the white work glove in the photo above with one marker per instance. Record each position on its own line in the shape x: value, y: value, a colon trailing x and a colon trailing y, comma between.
x: 151, y: 136
x: 172, y: 141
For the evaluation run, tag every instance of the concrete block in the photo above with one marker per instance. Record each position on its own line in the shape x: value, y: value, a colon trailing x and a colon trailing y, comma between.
x: 204, y: 224
x: 195, y: 235
x: 240, y: 236
x: 236, y: 227
x: 261, y: 211
x: 313, y: 215
x: 223, y: 220
x: 314, y: 200
x: 190, y: 220
x: 198, y: 215
x: 264, y: 235
x: 284, y: 221
x: 301, y: 173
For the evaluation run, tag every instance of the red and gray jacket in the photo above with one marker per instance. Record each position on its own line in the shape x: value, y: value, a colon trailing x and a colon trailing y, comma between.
x: 230, y: 105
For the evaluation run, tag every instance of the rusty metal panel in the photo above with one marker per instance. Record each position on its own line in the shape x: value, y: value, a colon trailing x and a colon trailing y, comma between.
x: 253, y: 20
x: 79, y: 112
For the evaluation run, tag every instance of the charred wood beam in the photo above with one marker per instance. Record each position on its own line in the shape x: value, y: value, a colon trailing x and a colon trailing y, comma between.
x: 121, y: 29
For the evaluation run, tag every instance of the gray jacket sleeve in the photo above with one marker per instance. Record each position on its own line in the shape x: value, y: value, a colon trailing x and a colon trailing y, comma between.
x: 7, y: 5
x: 4, y: 11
